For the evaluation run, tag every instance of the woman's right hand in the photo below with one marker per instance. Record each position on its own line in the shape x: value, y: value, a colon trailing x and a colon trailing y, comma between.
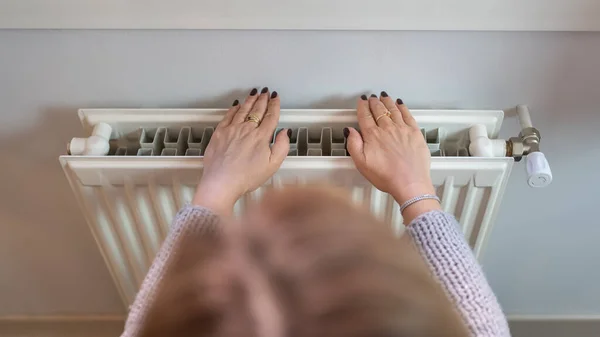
x: 391, y: 152
x: 238, y: 158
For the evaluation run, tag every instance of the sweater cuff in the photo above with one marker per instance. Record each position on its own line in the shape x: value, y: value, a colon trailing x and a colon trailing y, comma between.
x: 195, y: 219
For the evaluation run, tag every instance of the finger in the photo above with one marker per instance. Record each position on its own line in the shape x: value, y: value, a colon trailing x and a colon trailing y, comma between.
x: 364, y: 115
x: 389, y: 104
x: 280, y: 148
x: 355, y: 145
x: 229, y: 115
x: 260, y: 107
x: 242, y: 113
x: 379, y: 111
x: 271, y: 118
x: 407, y: 117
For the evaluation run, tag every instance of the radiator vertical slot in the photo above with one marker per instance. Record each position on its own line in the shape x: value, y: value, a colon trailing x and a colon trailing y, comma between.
x: 154, y: 140
x: 389, y: 201
x: 238, y: 207
x: 109, y: 244
x: 198, y: 140
x: 145, y: 152
x: 192, y: 152
x: 277, y: 182
x: 176, y: 193
x: 315, y: 142
x: 433, y: 140
x: 169, y: 152
x: 357, y: 194
x: 176, y: 141
x: 170, y: 138
x: 122, y: 221
x: 483, y: 199
x: 117, y: 249
x: 158, y: 206
x: 293, y: 143
x: 326, y: 141
x: 145, y: 217
x: 187, y: 192
x: 466, y: 216
x: 206, y: 136
x: 257, y: 194
x: 378, y: 203
x: 338, y: 143
x: 302, y: 141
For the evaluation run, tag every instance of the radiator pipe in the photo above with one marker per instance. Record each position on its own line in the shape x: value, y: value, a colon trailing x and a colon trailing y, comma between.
x: 482, y: 146
x: 95, y: 145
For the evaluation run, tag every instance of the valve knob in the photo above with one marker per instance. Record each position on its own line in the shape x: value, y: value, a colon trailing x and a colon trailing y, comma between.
x: 538, y: 170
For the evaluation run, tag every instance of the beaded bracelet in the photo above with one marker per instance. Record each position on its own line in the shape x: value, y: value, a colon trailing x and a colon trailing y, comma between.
x: 417, y: 199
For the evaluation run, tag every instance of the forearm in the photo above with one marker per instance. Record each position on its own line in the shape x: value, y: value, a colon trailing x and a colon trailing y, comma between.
x: 439, y: 240
x: 190, y: 222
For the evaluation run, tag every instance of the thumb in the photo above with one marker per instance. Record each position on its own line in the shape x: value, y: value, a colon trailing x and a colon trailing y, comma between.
x: 281, y: 147
x: 355, y: 145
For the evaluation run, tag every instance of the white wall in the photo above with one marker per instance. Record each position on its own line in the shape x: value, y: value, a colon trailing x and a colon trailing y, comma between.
x: 541, y: 257
x: 502, y: 15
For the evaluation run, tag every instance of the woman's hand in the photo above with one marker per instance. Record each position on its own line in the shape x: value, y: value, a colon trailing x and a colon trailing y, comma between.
x: 392, y: 152
x: 238, y: 158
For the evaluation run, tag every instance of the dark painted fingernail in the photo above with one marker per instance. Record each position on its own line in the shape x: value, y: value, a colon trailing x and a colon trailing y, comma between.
x: 235, y: 103
x: 289, y: 132
x: 373, y: 95
x: 265, y: 89
x: 363, y: 97
x: 346, y: 132
x: 274, y: 94
x: 253, y: 92
x: 399, y: 101
x: 384, y: 94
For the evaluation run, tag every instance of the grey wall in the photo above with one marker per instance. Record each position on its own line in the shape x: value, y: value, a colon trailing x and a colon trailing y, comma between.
x: 541, y: 257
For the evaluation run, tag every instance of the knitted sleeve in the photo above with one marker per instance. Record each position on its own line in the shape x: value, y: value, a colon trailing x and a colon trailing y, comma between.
x: 441, y: 243
x: 190, y: 221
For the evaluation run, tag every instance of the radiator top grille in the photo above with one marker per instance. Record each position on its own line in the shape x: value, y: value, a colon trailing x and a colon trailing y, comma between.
x: 305, y: 141
x: 187, y: 132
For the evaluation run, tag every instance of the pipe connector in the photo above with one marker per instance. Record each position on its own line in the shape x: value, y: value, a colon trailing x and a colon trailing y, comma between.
x: 482, y: 146
x: 95, y: 145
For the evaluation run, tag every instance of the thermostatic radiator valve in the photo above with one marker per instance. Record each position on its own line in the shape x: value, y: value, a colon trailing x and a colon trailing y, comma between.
x: 527, y: 145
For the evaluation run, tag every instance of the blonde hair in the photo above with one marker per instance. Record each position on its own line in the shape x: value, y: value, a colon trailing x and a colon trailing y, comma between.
x: 304, y: 262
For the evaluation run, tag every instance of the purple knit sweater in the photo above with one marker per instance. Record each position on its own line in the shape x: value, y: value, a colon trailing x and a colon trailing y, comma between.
x: 436, y: 234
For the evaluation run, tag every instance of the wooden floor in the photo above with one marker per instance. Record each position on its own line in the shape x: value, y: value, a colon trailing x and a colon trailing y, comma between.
x: 61, y: 329
x: 114, y: 328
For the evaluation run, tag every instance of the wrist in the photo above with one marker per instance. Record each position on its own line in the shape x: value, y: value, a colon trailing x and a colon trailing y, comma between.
x: 402, y: 195
x: 409, y: 191
x: 420, y: 207
x: 215, y: 197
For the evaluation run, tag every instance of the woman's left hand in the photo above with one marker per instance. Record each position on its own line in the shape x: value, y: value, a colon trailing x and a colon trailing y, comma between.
x: 238, y: 158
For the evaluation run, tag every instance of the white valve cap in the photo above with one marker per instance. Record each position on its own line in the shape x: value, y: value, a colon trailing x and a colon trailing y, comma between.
x: 538, y: 170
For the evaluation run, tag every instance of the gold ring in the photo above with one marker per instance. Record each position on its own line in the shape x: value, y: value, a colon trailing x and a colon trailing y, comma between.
x: 381, y: 116
x: 253, y: 119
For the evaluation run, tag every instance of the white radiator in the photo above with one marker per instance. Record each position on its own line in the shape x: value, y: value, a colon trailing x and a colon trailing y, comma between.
x: 129, y: 197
